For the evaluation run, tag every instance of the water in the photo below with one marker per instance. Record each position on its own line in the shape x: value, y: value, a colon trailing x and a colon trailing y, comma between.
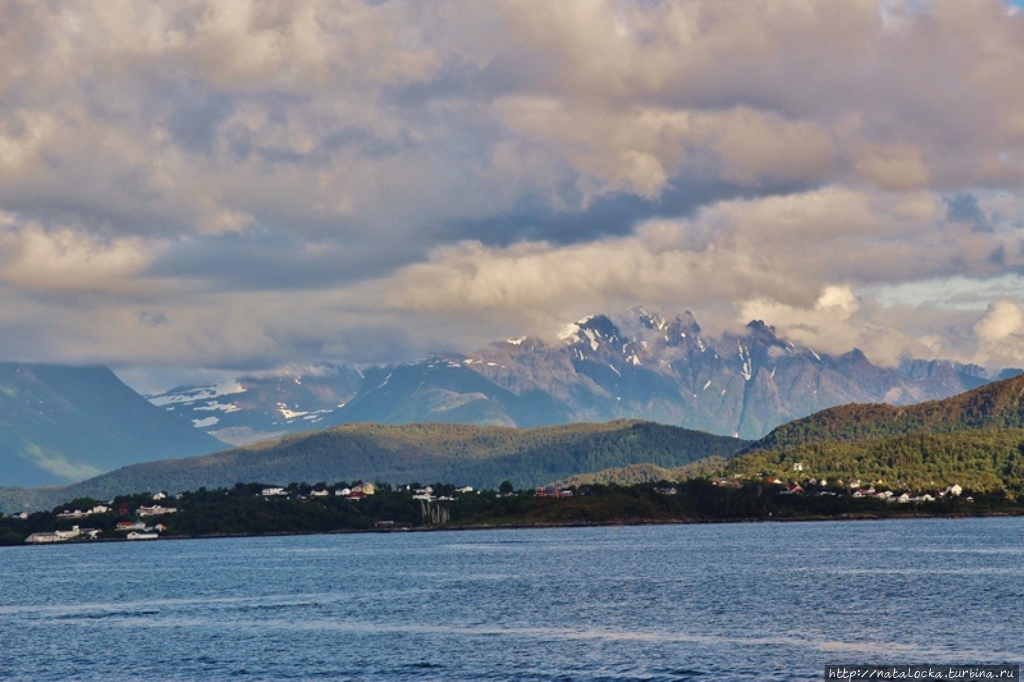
x: 694, y: 602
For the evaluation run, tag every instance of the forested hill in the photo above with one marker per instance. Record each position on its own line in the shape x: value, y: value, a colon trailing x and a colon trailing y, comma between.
x: 997, y: 405
x: 983, y: 460
x: 477, y: 456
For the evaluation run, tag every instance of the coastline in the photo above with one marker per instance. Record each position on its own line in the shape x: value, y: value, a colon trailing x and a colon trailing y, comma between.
x: 548, y: 525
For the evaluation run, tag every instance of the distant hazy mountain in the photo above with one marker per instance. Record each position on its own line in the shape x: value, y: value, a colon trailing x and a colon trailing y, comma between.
x: 254, y: 408
x: 61, y: 424
x: 426, y: 453
x: 666, y: 371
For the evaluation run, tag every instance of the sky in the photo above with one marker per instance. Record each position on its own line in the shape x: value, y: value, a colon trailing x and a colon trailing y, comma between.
x: 233, y: 186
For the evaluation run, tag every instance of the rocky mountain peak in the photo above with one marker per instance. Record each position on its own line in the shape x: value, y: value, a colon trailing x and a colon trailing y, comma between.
x: 593, y: 332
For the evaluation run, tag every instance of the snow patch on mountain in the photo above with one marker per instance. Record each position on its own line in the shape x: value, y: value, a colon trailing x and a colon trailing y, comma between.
x: 192, y: 395
x: 203, y: 423
x: 214, y: 406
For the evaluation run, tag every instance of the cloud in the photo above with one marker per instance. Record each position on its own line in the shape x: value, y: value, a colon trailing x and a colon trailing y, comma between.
x: 66, y: 259
x: 223, y: 183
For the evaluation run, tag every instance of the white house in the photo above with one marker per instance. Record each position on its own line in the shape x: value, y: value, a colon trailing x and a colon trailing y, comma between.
x: 142, y: 536
x: 155, y: 510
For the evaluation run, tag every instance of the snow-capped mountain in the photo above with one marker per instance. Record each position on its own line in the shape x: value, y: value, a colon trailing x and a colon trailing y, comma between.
x: 666, y: 370
x: 734, y: 384
x: 259, y: 407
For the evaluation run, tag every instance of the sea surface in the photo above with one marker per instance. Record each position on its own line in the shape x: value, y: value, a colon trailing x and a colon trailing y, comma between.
x: 685, y: 602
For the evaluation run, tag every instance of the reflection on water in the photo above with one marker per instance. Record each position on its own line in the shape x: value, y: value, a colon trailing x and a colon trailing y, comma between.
x: 741, y: 601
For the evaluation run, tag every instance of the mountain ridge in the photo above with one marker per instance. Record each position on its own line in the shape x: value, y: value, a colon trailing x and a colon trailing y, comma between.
x: 735, y: 384
x: 666, y: 369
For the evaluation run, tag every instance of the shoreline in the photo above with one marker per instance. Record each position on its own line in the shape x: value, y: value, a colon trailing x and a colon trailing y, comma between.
x: 542, y: 526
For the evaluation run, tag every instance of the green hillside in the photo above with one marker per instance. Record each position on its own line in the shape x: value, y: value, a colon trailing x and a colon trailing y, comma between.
x: 975, y: 440
x: 994, y: 406
x: 980, y: 460
x: 479, y: 456
x: 636, y: 474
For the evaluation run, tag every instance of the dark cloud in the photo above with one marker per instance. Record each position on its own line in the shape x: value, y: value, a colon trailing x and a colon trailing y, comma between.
x: 964, y: 208
x: 277, y: 260
x: 613, y: 215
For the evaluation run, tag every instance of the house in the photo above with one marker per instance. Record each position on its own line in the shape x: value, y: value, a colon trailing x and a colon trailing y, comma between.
x: 68, y: 534
x: 270, y: 492
x: 320, y: 493
x: 130, y: 525
x: 78, y: 513
x: 155, y: 510
x: 44, y: 538
x: 365, y: 488
x: 343, y: 492
x: 798, y: 466
x: 464, y: 489
x: 159, y: 496
x: 143, y: 536
x: 792, y: 489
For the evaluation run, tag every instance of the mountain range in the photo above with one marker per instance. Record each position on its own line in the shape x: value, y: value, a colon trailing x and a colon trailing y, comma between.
x: 258, y: 407
x: 665, y: 370
x: 61, y: 424
x: 974, y: 439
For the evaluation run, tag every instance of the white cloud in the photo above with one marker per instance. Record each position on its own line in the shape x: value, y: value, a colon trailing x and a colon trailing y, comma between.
x: 65, y: 259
